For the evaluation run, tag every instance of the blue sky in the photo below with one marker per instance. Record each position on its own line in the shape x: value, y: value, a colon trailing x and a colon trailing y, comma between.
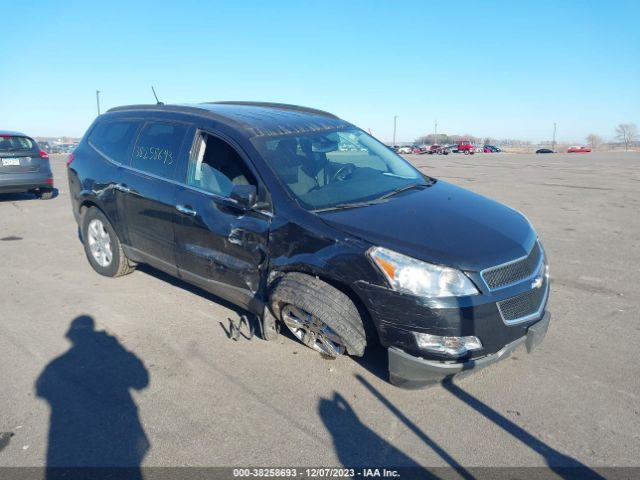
x: 505, y: 69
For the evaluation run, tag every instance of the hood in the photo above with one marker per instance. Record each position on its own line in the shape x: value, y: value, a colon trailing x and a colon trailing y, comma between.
x: 441, y: 224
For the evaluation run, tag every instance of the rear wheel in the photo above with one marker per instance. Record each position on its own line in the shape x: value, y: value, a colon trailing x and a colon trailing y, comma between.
x: 102, y: 246
x: 319, y: 315
x: 466, y: 152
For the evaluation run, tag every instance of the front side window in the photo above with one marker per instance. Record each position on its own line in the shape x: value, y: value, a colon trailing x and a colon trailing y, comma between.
x: 157, y: 148
x: 114, y: 138
x: 216, y: 167
x: 324, y: 170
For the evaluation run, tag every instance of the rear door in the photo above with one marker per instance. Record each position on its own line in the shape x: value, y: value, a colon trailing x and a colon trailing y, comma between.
x: 219, y: 247
x: 148, y: 188
x: 19, y: 154
x: 101, y: 172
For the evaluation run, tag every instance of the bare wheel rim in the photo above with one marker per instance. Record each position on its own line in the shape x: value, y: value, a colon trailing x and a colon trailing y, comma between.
x: 99, y: 243
x: 311, y: 331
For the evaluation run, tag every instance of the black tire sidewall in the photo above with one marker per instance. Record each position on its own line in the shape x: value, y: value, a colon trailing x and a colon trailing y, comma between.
x: 112, y: 269
x: 345, y: 322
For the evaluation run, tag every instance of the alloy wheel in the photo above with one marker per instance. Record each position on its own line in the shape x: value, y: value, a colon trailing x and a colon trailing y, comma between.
x: 311, y: 331
x: 99, y: 243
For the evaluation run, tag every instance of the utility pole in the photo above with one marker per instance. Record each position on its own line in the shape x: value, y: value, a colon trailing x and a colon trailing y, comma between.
x: 553, y: 143
x: 98, y: 100
x: 435, y: 134
x: 395, y: 118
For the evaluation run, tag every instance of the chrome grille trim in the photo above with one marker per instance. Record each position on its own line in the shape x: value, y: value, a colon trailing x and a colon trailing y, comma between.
x: 509, y: 279
x: 509, y: 320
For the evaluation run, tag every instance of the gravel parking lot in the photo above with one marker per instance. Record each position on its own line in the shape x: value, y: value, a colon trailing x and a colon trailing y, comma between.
x: 199, y: 398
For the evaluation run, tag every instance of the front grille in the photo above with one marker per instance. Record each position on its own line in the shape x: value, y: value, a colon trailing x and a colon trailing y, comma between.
x: 523, y: 307
x: 513, y: 272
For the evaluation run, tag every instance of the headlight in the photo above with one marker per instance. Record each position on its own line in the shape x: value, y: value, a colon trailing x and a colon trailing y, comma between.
x: 408, y: 275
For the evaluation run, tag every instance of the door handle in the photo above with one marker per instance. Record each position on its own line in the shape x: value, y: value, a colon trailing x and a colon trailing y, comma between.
x: 186, y: 210
x: 122, y: 188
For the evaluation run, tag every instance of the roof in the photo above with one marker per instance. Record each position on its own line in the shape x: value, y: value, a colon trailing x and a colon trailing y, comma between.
x: 255, y: 118
x: 10, y: 132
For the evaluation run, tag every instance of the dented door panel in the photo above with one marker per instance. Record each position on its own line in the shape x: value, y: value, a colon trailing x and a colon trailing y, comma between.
x: 220, y: 248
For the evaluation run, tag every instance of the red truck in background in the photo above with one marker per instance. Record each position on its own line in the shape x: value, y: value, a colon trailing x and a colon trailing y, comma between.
x: 578, y: 150
x: 466, y: 147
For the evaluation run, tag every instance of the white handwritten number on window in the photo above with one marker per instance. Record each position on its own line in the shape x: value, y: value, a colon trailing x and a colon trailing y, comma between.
x: 163, y: 155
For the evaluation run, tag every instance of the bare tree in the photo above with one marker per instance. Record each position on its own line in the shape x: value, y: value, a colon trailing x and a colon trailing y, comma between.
x: 627, y: 133
x: 430, y: 139
x: 594, y: 141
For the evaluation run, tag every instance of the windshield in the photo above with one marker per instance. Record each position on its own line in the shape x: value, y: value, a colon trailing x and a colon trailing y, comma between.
x: 13, y: 143
x: 336, y: 168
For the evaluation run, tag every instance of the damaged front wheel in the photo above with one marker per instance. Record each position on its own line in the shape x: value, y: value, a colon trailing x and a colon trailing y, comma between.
x: 311, y: 331
x: 319, y: 315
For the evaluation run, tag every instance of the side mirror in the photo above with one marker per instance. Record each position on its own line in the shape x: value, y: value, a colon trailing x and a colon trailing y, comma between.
x: 244, y: 196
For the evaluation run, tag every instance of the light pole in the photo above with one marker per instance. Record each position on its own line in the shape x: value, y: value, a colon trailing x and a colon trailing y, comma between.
x: 395, y: 118
x: 553, y: 142
x: 98, y: 100
x: 435, y: 134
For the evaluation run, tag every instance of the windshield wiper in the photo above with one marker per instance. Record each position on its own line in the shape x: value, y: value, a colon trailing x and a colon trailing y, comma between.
x: 344, y: 206
x: 403, y: 189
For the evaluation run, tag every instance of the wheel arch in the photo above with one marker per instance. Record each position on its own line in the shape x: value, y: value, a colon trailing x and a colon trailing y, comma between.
x: 87, y: 202
x: 371, y: 329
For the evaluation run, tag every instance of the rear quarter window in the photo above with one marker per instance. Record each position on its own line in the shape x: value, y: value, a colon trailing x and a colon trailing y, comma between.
x: 157, y: 148
x: 114, y: 138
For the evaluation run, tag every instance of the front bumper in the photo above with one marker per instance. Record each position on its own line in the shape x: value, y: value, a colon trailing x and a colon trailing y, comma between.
x: 409, y: 371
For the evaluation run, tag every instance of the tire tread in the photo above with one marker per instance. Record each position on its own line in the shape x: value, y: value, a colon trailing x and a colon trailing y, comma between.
x: 327, y: 303
x: 124, y: 265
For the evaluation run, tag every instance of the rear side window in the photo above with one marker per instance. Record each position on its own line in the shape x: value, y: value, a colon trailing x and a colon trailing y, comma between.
x: 113, y: 139
x: 157, y: 148
x: 14, y: 143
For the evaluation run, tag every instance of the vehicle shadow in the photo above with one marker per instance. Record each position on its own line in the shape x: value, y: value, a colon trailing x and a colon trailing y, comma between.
x: 246, y: 323
x: 562, y: 465
x: 428, y: 441
x: 24, y: 196
x: 376, y: 361
x: 94, y: 420
x: 356, y: 445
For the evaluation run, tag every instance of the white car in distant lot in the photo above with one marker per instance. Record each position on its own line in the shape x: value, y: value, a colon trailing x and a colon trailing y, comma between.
x: 405, y: 149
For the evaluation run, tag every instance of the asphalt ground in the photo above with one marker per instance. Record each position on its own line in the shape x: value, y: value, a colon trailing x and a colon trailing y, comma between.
x: 168, y: 387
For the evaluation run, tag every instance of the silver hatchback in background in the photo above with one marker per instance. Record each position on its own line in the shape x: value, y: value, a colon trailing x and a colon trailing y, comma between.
x: 24, y: 166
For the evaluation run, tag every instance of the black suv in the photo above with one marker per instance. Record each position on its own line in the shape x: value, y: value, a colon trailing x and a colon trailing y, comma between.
x: 302, y: 218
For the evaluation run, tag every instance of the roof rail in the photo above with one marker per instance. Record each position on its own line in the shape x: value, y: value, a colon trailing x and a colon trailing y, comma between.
x: 141, y: 106
x: 282, y: 106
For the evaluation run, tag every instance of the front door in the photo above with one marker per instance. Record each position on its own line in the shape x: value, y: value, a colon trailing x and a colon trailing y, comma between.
x: 218, y: 246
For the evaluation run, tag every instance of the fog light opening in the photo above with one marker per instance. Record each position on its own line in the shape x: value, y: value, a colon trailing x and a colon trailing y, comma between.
x: 453, y: 346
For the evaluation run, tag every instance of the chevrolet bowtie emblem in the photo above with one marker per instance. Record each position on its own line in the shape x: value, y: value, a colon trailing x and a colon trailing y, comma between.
x: 537, y: 283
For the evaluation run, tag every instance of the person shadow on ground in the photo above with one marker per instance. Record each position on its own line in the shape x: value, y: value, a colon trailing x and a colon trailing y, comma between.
x: 356, y: 445
x: 94, y: 421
